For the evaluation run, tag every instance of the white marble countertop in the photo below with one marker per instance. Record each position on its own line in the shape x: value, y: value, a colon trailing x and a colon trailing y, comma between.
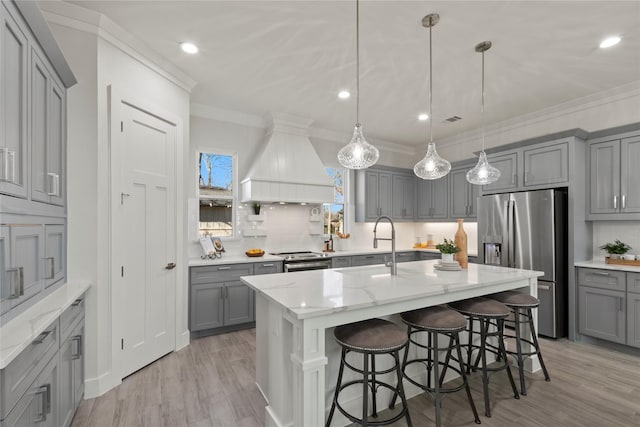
x: 240, y: 259
x: 319, y: 292
x: 19, y: 332
x: 599, y: 263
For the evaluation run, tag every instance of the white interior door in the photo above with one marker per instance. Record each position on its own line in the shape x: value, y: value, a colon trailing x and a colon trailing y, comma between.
x: 144, y: 238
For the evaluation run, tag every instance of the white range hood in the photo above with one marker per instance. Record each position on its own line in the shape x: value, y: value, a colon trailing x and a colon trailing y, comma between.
x: 288, y: 169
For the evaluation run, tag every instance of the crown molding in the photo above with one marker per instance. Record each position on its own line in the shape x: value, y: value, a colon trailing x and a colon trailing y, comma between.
x: 81, y: 19
x: 599, y: 99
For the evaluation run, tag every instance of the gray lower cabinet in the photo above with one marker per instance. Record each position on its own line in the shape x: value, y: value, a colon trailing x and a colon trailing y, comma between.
x: 340, y: 261
x: 602, y: 313
x: 405, y: 256
x: 219, y: 299
x: 428, y: 255
x: 371, y: 259
x: 44, y: 384
x: 633, y: 309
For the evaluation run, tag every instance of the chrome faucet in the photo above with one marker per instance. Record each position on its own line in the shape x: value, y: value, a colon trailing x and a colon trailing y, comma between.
x: 392, y: 264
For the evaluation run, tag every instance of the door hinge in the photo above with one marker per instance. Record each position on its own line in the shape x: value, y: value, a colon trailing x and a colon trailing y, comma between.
x: 121, y: 126
x: 122, y: 344
x: 122, y: 271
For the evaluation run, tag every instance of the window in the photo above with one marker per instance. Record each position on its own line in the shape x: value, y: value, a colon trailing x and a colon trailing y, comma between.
x: 216, y: 185
x: 334, y: 212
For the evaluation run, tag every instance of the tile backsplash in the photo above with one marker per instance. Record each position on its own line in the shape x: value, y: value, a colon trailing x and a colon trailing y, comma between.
x: 608, y: 231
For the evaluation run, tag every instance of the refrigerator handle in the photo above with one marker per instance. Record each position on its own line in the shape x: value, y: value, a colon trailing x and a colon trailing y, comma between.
x: 511, y: 257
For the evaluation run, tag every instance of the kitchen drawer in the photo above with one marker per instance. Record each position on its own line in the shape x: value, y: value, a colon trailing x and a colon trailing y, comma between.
x: 69, y: 316
x: 16, y: 378
x: 358, y: 260
x: 340, y: 261
x: 267, y: 267
x: 603, y: 279
x: 429, y: 255
x: 405, y: 256
x: 219, y: 273
x: 633, y: 283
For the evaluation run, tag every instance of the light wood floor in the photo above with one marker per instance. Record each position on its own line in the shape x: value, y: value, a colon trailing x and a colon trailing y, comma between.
x: 211, y: 383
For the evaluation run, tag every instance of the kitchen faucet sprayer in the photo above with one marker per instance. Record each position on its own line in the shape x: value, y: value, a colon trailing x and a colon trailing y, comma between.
x: 392, y: 264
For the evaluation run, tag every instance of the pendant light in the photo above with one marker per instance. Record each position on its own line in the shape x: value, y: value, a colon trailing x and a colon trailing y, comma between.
x: 483, y: 173
x: 432, y: 166
x: 358, y: 153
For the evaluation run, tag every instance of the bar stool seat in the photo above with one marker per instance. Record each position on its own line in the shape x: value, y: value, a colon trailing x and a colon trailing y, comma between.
x: 487, y: 312
x: 521, y: 305
x: 437, y: 320
x: 370, y: 338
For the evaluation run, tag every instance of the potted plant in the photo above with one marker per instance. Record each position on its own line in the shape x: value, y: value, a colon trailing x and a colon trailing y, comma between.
x: 447, y: 249
x: 616, y: 249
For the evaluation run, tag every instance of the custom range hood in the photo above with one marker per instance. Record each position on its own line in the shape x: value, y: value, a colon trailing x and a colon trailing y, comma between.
x: 287, y: 169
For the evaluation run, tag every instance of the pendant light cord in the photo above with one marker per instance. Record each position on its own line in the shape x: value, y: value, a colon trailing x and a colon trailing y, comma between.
x: 430, y: 85
x: 482, y: 103
x: 357, y: 63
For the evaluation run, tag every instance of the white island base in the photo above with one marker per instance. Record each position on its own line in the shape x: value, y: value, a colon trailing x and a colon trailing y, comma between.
x: 296, y: 356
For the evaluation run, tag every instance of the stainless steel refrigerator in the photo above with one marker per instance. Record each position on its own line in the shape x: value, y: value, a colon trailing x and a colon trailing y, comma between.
x: 528, y: 230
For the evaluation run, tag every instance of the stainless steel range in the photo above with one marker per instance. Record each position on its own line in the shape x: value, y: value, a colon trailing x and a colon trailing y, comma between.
x: 301, y: 261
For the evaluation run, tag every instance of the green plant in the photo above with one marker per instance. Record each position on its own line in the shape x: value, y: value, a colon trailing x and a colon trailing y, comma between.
x: 617, y: 248
x: 448, y: 247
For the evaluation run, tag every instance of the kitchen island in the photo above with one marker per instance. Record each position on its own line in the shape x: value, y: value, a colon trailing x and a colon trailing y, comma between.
x: 296, y: 356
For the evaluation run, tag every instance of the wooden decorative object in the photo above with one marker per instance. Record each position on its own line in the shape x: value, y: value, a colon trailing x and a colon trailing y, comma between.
x: 461, y: 242
x: 635, y: 263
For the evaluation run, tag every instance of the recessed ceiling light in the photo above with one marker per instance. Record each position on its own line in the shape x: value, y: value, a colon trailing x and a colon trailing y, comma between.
x: 189, y: 47
x: 344, y: 94
x: 610, y: 41
x: 422, y: 117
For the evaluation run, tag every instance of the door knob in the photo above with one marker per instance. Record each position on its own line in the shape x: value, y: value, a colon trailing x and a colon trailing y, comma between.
x: 171, y: 266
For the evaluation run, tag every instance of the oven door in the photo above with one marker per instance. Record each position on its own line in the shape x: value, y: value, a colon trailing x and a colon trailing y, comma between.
x: 290, y: 267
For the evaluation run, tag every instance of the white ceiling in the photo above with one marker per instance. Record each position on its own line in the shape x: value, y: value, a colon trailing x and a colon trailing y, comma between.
x: 294, y: 56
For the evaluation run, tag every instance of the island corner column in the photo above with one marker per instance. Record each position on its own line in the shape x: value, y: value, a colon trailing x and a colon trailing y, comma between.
x: 308, y: 363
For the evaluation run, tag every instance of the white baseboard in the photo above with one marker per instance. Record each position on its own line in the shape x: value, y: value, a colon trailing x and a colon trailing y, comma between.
x: 94, y: 387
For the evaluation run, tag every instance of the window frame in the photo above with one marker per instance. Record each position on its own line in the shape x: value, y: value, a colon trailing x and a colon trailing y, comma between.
x: 234, y: 185
x: 345, y: 199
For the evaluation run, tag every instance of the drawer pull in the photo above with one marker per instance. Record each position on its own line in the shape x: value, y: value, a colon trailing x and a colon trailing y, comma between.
x: 77, y: 302
x: 77, y: 352
x: 224, y: 268
x: 268, y: 265
x: 370, y: 257
x: 43, y: 336
x: 544, y: 287
x: 600, y: 273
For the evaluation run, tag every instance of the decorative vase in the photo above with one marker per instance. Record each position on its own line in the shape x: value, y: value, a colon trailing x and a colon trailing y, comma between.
x: 461, y: 242
x: 447, y: 257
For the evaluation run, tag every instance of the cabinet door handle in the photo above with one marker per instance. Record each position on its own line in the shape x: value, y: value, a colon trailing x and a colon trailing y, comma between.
x: 42, y: 393
x: 513, y: 179
x: 14, y: 283
x: 54, y: 184
x: 77, y: 302
x: 224, y: 268
x: 544, y: 287
x: 40, y: 338
x: 8, y: 165
x: 52, y: 267
x: 526, y: 177
x: 624, y: 202
x: 621, y: 306
x: 170, y: 266
x: 615, y: 202
x: 77, y: 353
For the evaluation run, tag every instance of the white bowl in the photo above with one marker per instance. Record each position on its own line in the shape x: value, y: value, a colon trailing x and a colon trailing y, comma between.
x: 629, y: 257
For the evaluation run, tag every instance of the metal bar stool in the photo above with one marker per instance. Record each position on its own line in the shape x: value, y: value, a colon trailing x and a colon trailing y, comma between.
x: 438, y: 320
x: 487, y: 312
x: 370, y: 338
x: 521, y: 305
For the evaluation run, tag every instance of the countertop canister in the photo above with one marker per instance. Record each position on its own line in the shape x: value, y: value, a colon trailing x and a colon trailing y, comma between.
x: 461, y: 242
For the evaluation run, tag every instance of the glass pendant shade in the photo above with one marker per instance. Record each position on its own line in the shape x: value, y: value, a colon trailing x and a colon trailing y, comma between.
x: 483, y: 173
x: 358, y: 153
x: 432, y: 166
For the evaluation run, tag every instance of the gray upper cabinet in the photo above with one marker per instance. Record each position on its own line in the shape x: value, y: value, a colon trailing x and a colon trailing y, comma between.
x: 373, y: 194
x: 463, y: 196
x: 433, y: 198
x: 507, y: 164
x: 54, y: 253
x: 403, y: 197
x: 546, y: 165
x: 613, y: 191
x: 13, y: 105
x: 47, y: 134
x: 6, y: 287
x: 24, y: 275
